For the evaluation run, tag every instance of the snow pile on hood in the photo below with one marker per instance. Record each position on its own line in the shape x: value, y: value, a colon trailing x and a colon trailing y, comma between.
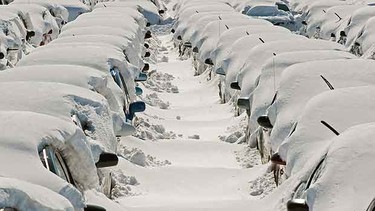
x: 138, y: 157
x: 22, y: 195
x: 38, y: 131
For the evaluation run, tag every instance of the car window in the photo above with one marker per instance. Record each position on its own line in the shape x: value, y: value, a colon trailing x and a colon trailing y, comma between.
x: 53, y: 161
x: 316, y: 173
x: 293, y: 129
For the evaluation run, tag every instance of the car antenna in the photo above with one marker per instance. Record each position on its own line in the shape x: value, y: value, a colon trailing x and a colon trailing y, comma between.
x: 226, y: 26
x: 196, y: 11
x: 220, y: 18
x: 330, y: 127
x: 261, y: 40
x: 324, y: 11
x: 338, y: 17
x: 327, y: 82
x: 247, y: 33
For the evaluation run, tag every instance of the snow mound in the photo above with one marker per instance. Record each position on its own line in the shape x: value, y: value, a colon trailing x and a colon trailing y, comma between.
x: 262, y: 186
x: 154, y: 100
x: 197, y: 137
x: 236, y: 132
x: 148, y: 131
x: 138, y: 157
x: 161, y: 82
x: 123, y: 185
x: 248, y: 157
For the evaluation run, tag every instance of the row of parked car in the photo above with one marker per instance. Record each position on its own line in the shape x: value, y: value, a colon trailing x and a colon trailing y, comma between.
x: 350, y: 23
x: 309, y: 101
x: 65, y: 103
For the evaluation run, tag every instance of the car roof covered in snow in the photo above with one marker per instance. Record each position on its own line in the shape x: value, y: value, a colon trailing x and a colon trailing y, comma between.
x: 259, y: 54
x: 341, y: 108
x: 39, y: 130
x: 243, y: 6
x: 23, y: 195
x: 272, y: 71
x: 301, y: 82
x: 64, y: 101
x: 349, y: 162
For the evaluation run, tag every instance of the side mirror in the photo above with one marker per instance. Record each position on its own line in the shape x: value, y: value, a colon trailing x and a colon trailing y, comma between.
x: 195, y: 50
x: 342, y: 34
x: 188, y: 45
x: 297, y: 205
x: 2, y: 55
x: 148, y: 24
x: 148, y: 35
x: 30, y: 34
x: 141, y: 77
x: 173, y: 31
x: 264, y: 121
x: 244, y: 103
x: 107, y: 160
x: 126, y: 129
x: 220, y: 71
x: 161, y: 12
x: 147, y: 54
x: 208, y: 61
x: 276, y: 159
x: 179, y: 38
x: 138, y: 91
x: 304, y: 23
x: 235, y: 85
x: 93, y: 208
x: 146, y: 67
x: 135, y: 108
x: 146, y: 45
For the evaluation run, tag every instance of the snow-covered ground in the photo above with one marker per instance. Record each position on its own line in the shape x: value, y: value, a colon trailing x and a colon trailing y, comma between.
x: 195, y: 168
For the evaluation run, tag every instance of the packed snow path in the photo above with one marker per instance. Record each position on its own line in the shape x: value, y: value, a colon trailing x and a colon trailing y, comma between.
x: 192, y: 170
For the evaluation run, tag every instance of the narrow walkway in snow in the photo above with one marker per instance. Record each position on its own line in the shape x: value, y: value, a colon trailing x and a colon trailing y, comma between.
x: 192, y: 169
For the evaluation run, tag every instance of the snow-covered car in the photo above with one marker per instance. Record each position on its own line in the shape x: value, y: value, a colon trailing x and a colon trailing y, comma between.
x: 74, y: 8
x: 301, y: 82
x: 244, y: 6
x: 363, y: 44
x: 334, y: 21
x: 229, y: 37
x: 23, y: 195
x: 185, y: 14
x: 266, y: 91
x: 125, y: 45
x: 12, y: 38
x: 141, y: 20
x: 314, y: 146
x: 81, y: 76
x: 135, y: 33
x: 190, y: 30
x: 273, y: 14
x: 248, y: 76
x: 53, y: 152
x: 238, y: 54
x: 38, y: 19
x: 210, y: 36
x: 105, y: 59
x: 147, y: 8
